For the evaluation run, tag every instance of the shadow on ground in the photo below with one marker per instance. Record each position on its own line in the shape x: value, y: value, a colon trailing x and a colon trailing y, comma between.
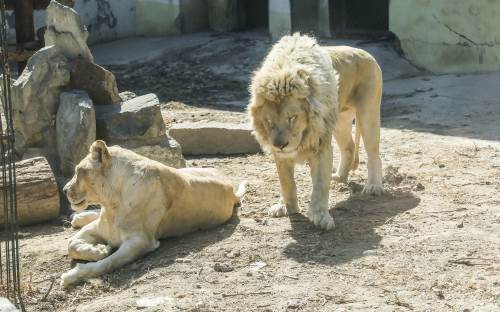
x: 170, y: 250
x: 356, y: 220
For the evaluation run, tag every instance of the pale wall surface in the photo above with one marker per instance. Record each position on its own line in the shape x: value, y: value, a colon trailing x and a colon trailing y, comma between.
x: 448, y: 36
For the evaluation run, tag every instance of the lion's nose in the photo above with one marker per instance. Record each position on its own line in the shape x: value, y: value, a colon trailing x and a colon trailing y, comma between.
x: 280, y: 144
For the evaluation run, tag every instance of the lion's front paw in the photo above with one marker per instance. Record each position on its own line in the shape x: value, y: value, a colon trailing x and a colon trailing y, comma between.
x: 321, y: 219
x: 277, y: 211
x: 102, y: 251
x: 373, y: 189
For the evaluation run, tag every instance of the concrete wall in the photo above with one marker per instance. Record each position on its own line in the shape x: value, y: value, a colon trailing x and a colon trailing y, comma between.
x: 448, y: 36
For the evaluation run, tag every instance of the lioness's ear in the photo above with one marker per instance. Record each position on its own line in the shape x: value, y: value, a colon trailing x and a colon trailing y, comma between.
x: 100, y: 152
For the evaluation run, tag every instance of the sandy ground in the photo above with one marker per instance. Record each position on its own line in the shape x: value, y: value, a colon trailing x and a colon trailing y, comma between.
x: 431, y: 243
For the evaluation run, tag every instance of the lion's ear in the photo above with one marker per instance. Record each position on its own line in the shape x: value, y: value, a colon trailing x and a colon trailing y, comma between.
x: 100, y: 152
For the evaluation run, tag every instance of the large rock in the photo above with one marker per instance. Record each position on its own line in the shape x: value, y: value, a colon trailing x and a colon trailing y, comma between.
x: 37, y: 194
x: 66, y: 32
x: 35, y: 99
x: 75, y: 129
x: 98, y: 82
x: 166, y: 150
x: 136, y: 119
x: 214, y: 138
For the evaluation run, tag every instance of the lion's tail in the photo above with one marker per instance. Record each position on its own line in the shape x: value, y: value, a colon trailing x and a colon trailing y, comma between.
x: 357, y: 137
x: 242, y: 189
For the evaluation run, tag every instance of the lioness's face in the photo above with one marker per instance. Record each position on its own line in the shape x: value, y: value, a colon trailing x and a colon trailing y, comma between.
x: 285, y: 123
x: 82, y: 189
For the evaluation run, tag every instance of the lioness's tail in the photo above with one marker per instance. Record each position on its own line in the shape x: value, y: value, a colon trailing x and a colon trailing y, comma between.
x: 242, y: 189
x: 357, y: 137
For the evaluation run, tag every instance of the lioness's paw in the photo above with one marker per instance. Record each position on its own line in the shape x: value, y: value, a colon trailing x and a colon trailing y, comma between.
x: 70, y: 277
x: 278, y: 210
x: 102, y: 250
x: 337, y: 178
x: 373, y: 189
x: 321, y: 219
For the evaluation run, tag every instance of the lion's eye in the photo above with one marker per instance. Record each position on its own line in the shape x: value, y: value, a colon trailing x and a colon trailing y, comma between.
x: 292, y: 119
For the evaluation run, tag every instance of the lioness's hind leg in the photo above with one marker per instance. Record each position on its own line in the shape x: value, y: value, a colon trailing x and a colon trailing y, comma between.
x: 343, y: 137
x: 369, y: 120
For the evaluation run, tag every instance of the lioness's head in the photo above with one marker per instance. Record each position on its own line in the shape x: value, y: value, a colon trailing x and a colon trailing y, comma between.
x: 84, y: 188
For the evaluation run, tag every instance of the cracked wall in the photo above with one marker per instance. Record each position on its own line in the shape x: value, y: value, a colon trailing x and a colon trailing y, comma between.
x: 448, y: 36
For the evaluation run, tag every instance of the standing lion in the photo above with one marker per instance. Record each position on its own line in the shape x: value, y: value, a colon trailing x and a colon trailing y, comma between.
x: 302, y: 95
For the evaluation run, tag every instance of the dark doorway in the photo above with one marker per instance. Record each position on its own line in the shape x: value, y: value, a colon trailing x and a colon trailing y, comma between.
x: 256, y: 14
x: 304, y: 16
x: 359, y: 18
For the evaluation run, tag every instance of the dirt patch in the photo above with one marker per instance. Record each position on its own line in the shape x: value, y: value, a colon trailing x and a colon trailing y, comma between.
x: 428, y: 244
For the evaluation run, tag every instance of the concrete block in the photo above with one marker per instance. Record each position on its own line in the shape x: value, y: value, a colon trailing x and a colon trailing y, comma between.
x: 214, y: 138
x: 165, y: 150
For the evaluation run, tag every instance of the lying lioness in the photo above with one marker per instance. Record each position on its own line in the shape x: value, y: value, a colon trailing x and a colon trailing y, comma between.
x: 141, y: 201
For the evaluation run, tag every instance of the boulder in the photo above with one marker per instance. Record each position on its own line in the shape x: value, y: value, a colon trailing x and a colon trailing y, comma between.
x: 166, y: 151
x: 37, y: 194
x: 98, y: 82
x: 66, y: 31
x: 136, y: 119
x: 75, y: 129
x: 35, y: 99
x: 214, y: 138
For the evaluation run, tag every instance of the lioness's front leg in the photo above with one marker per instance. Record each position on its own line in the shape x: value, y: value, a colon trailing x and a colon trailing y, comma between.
x: 321, y: 167
x: 288, y: 202
x: 87, y: 245
x: 130, y: 250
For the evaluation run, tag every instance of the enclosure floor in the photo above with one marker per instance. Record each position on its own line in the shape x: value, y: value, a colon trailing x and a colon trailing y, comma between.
x: 431, y: 243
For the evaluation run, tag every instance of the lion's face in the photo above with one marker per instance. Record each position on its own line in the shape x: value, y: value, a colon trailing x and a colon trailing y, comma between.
x: 84, y: 188
x: 285, y: 124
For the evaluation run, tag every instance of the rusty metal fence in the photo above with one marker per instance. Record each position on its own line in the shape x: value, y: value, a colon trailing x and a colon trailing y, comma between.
x: 10, y: 281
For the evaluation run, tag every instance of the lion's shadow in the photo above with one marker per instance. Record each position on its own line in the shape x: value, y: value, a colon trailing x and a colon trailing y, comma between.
x: 356, y: 221
x: 170, y: 251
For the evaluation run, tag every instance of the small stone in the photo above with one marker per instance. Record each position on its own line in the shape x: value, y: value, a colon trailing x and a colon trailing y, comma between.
x: 441, y: 165
x: 295, y: 303
x: 222, y: 267
x: 460, y: 225
x: 419, y: 187
x: 370, y: 252
x: 183, y: 260
x: 150, y: 302
x: 257, y: 265
x: 233, y: 254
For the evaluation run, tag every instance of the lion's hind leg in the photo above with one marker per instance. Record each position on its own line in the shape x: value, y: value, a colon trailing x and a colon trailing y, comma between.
x: 368, y: 117
x: 343, y: 137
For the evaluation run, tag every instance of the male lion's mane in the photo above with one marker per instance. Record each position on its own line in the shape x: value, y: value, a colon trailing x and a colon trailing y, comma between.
x: 297, y: 67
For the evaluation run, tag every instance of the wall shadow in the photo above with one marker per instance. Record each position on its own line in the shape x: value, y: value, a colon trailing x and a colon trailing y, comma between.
x: 356, y: 220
